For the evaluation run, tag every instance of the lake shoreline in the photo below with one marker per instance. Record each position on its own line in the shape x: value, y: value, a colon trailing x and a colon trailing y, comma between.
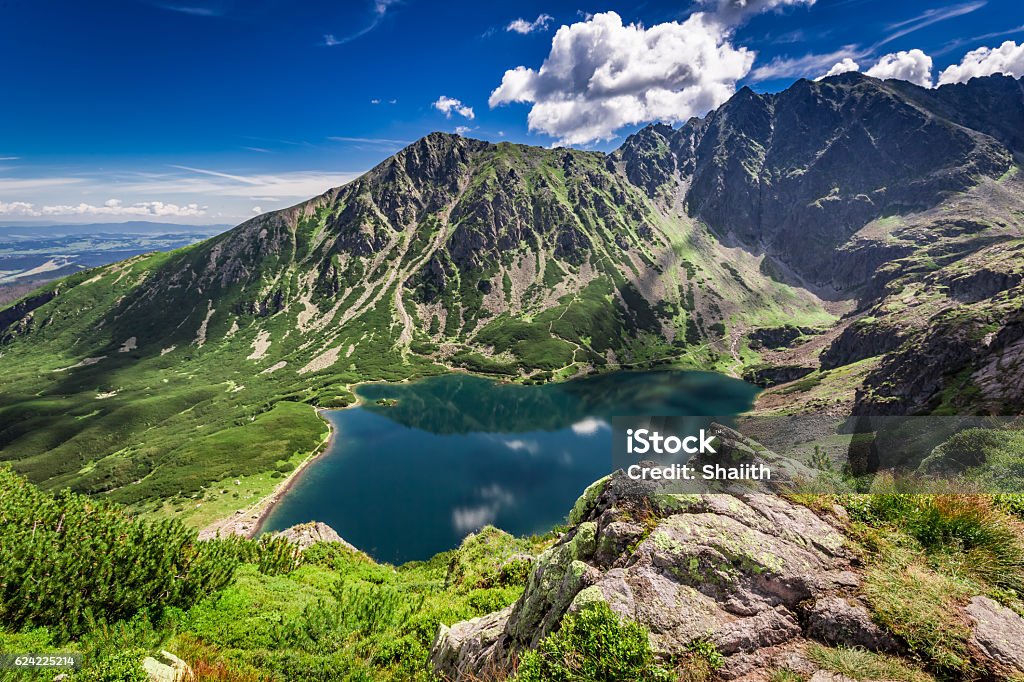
x: 249, y: 522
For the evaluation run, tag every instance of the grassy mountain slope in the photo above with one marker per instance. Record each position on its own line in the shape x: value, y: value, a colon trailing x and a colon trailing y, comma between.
x: 730, y: 243
x: 156, y: 376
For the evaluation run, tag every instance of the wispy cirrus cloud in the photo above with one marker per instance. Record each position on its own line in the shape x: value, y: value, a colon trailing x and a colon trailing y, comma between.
x: 524, y: 27
x: 908, y: 63
x: 384, y: 141
x: 927, y: 18
x: 795, y: 67
x: 380, y: 11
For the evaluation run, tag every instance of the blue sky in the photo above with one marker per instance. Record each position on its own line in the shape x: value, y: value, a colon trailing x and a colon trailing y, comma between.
x: 209, y: 111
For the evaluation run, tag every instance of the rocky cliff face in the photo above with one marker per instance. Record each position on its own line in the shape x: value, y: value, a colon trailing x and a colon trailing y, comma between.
x: 800, y: 172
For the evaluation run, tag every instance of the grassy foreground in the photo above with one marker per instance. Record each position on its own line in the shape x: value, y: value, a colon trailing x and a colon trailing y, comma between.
x: 82, y: 576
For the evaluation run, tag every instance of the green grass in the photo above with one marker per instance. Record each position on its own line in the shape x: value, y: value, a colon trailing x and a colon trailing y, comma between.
x: 860, y: 664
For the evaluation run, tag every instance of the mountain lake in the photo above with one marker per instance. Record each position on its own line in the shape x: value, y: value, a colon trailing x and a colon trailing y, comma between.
x: 415, y: 467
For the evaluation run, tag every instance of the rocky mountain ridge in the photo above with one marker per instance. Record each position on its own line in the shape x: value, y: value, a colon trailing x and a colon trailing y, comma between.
x: 898, y: 208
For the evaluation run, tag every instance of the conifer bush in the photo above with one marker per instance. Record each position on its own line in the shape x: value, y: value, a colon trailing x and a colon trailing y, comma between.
x: 68, y: 562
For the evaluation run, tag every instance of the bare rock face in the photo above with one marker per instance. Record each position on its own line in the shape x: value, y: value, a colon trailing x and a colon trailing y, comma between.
x: 306, y: 535
x: 167, y: 667
x: 754, y: 574
x: 843, y: 622
x: 998, y: 633
x: 468, y: 646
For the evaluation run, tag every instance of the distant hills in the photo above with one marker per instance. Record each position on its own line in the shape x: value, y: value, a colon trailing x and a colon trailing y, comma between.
x: 853, y: 242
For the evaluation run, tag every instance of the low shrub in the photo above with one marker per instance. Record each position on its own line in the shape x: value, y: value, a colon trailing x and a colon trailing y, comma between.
x: 595, y: 645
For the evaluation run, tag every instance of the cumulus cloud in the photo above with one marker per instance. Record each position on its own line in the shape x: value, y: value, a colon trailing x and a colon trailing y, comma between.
x: 1006, y: 59
x: 524, y: 27
x: 911, y: 65
x: 112, y: 207
x: 844, y: 66
x: 447, y: 105
x: 17, y: 208
x: 601, y: 75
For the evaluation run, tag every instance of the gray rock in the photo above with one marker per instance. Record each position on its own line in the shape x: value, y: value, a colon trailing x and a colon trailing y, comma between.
x: 998, y: 633
x: 825, y: 676
x: 471, y: 646
x: 836, y: 621
x: 733, y: 569
x: 166, y: 668
x: 305, y: 535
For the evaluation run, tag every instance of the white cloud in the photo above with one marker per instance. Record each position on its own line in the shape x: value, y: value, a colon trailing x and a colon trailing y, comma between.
x: 9, y: 158
x: 257, y: 209
x: 927, y: 18
x: 844, y: 66
x: 798, y: 67
x: 738, y: 11
x: 601, y: 75
x: 523, y: 26
x: 462, y: 130
x: 112, y: 207
x: 374, y: 101
x: 380, y: 10
x: 912, y: 65
x: 446, y: 105
x: 1007, y: 59
x: 22, y: 208
x: 589, y: 426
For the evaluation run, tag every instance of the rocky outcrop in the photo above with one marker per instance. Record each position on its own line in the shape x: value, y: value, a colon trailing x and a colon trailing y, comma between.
x: 772, y: 375
x: 759, y: 577
x: 306, y: 535
x: 750, y: 573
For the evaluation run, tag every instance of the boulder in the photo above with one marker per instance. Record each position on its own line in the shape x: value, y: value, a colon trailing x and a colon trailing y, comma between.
x: 167, y: 668
x: 997, y: 633
x: 305, y: 535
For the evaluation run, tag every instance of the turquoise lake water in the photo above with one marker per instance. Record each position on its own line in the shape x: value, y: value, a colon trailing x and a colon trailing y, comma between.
x: 457, y: 452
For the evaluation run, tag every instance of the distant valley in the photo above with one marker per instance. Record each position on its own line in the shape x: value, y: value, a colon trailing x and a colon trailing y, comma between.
x: 31, y: 254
